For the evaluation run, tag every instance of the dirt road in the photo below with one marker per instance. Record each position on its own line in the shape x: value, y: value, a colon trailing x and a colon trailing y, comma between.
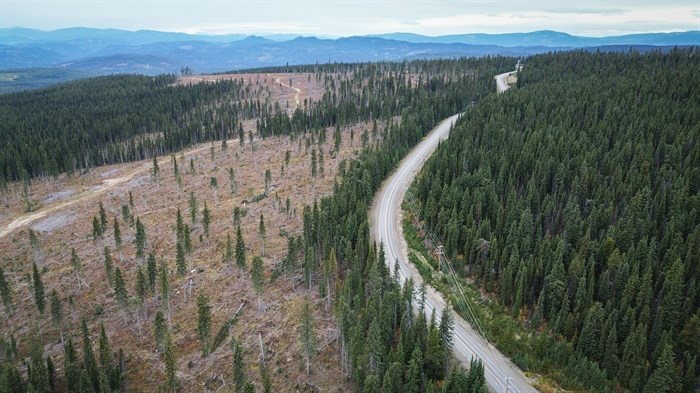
x: 90, y: 194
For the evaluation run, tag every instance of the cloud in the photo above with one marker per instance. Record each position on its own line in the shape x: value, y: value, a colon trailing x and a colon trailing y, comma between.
x: 593, y: 11
x: 576, y: 21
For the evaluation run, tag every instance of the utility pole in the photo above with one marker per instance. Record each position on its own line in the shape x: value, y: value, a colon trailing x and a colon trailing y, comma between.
x: 440, y: 254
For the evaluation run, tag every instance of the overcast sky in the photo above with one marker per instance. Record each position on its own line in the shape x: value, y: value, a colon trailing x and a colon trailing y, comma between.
x: 358, y: 17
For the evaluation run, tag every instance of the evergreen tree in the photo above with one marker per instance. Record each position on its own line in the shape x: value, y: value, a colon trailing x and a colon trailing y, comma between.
x: 5, y: 292
x: 180, y: 260
x: 446, y: 328
x: 393, y: 382
x: 140, y: 238
x: 160, y: 330
x: 89, y: 364
x: 171, y: 382
x: 51, y: 370
x: 103, y: 217
x: 414, y: 373
x: 165, y: 288
x: 179, y: 227
x: 56, y: 309
x: 71, y: 367
x: 117, y: 235
x: 36, y: 368
x: 97, y: 229
x: 39, y: 298
x: 371, y: 384
x: 206, y: 220
x: 240, y: 249
x: 227, y: 256
x: 155, y: 171
x: 307, y: 334
x: 239, y: 376
x: 268, y: 180
x: 120, y: 292
x: 193, y: 208
x: 257, y: 276
x: 204, y: 322
x: 106, y: 361
x: 663, y: 378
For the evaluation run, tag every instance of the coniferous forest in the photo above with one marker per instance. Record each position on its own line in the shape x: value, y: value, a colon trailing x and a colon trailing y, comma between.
x: 574, y: 200
x: 334, y: 254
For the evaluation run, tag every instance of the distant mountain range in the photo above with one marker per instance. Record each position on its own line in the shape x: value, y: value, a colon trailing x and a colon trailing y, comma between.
x: 554, y: 39
x: 86, y: 51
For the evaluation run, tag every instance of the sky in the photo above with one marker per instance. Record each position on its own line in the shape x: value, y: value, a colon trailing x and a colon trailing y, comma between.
x: 358, y: 17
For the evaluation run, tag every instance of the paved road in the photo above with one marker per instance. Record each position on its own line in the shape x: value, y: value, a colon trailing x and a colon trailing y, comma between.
x: 501, y: 84
x: 501, y: 375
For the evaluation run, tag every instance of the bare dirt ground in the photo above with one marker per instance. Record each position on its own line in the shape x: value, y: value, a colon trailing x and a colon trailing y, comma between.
x: 291, y: 90
x: 62, y: 217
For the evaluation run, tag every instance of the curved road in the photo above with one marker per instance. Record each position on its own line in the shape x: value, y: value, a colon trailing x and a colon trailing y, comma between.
x: 501, y: 375
x: 501, y: 84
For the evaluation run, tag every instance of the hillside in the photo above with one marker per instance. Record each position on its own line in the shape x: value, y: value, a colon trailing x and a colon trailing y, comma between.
x: 152, y: 291
x: 572, y: 203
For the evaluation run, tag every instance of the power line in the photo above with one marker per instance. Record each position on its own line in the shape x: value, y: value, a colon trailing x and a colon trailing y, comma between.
x: 435, y: 243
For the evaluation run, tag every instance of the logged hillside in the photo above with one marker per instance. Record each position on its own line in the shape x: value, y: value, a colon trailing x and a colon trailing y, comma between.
x: 128, y: 277
x: 574, y: 200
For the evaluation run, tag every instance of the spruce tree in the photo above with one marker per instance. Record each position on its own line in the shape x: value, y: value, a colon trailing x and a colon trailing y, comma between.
x: 239, y: 376
x: 160, y: 330
x: 240, y: 249
x: 39, y: 296
x: 140, y: 238
x: 307, y: 334
x: 227, y: 256
x: 206, y: 220
x: 97, y: 229
x: 155, y: 171
x: 117, y: 235
x: 180, y: 260
x: 71, y: 367
x: 120, y: 291
x: 106, y: 359
x: 257, y: 276
x: 89, y: 363
x: 171, y: 382
x: 5, y: 292
x: 204, y: 322
x: 193, y: 207
x: 56, y: 309
x: 103, y: 217
x: 664, y: 376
